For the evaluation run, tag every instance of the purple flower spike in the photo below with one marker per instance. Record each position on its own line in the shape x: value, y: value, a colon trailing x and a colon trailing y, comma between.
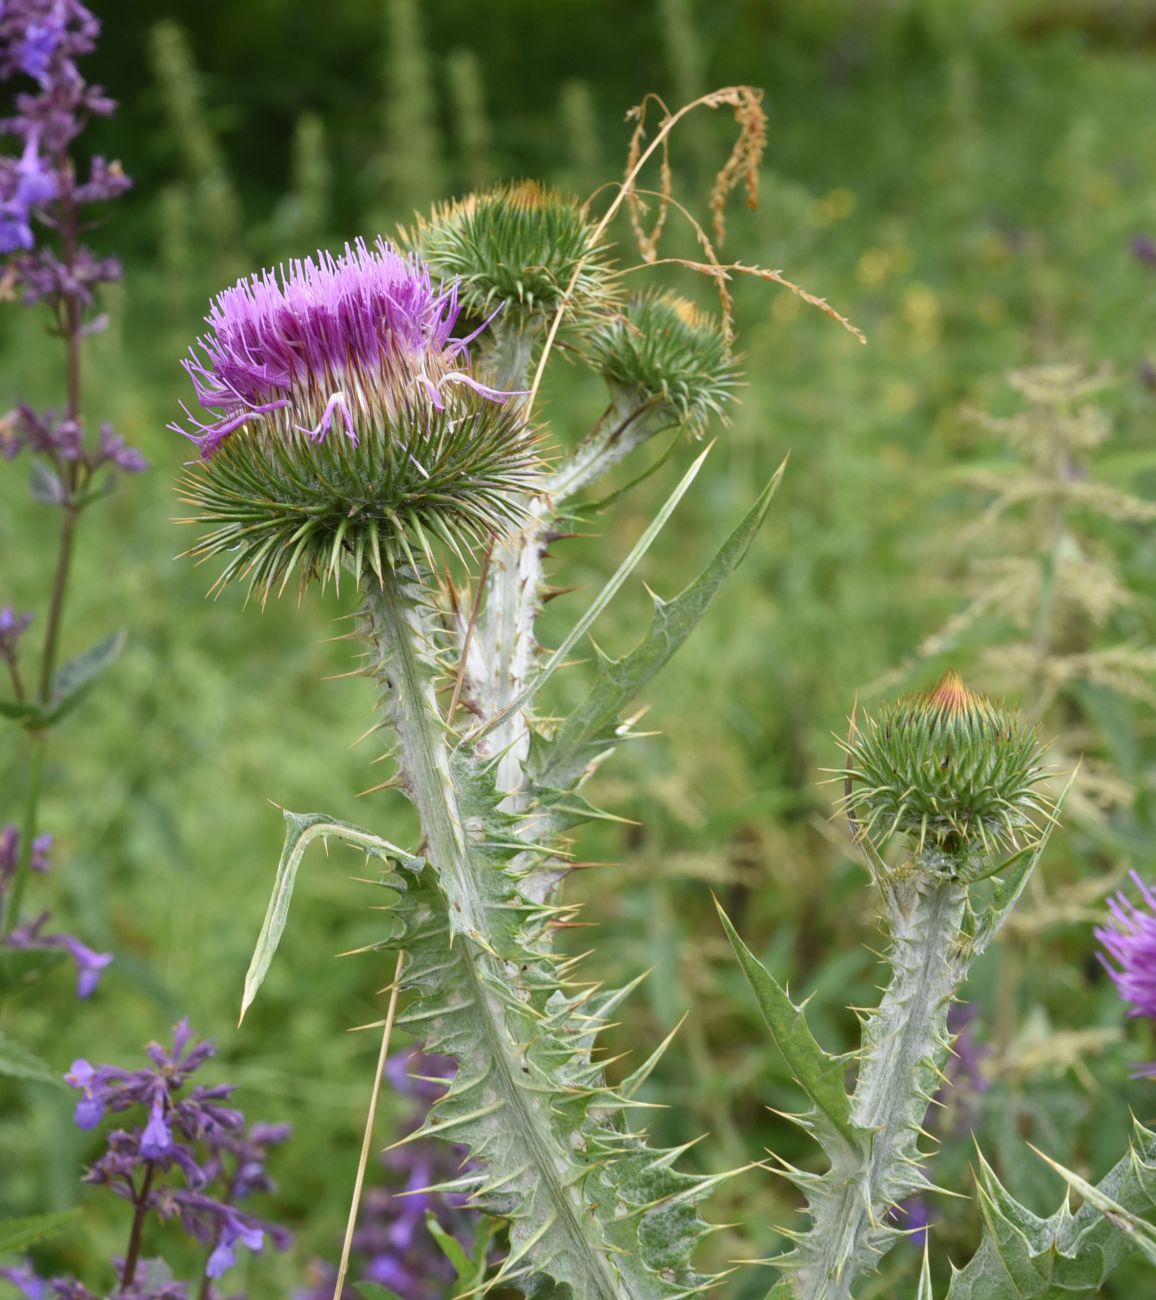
x: 332, y: 344
x: 181, y: 1155
x: 1129, y: 941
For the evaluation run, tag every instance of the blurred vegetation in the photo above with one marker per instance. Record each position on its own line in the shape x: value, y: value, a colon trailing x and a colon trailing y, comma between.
x: 964, y: 182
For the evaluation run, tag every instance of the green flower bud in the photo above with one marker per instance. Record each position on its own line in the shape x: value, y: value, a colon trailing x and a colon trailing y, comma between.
x: 949, y: 769
x: 663, y: 349
x: 516, y: 248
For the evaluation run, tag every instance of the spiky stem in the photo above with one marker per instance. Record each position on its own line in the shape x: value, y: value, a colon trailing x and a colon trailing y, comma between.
x: 401, y: 632
x: 906, y: 1044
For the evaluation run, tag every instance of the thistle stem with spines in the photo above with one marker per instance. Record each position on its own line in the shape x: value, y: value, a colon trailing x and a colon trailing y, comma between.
x: 906, y: 1044
x: 565, y: 1173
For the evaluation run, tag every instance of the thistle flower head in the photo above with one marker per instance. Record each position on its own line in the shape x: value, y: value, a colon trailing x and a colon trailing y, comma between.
x: 1129, y: 956
x: 663, y: 349
x: 516, y: 247
x: 949, y: 769
x: 343, y: 421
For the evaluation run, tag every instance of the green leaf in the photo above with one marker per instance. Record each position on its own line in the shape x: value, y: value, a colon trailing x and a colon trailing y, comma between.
x: 1142, y: 1232
x: 817, y: 1072
x: 1024, y: 1257
x: 28, y: 712
x: 17, y: 1234
x: 45, y: 485
x: 371, y: 1289
x: 604, y: 597
x: 18, y: 1063
x: 451, y: 1248
x: 1015, y: 873
x: 301, y: 830
x: 72, y: 680
x: 592, y: 728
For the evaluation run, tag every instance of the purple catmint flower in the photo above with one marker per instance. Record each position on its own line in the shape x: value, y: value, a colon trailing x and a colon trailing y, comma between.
x: 392, y: 1245
x: 25, y: 1281
x: 12, y: 628
x: 188, y: 1157
x: 31, y: 937
x: 1129, y: 956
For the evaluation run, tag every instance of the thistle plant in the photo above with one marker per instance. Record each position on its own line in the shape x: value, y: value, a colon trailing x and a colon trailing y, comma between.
x: 370, y: 414
x: 954, y: 783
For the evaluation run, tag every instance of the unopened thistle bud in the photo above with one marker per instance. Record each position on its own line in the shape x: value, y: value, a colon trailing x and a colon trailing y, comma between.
x: 516, y: 248
x: 344, y: 426
x: 664, y: 350
x: 949, y: 769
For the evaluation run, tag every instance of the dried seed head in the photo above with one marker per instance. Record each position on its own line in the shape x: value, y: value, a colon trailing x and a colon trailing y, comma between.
x: 344, y: 425
x: 949, y: 769
x: 664, y: 349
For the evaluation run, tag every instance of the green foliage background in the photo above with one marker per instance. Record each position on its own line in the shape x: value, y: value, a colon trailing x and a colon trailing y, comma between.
x: 963, y: 180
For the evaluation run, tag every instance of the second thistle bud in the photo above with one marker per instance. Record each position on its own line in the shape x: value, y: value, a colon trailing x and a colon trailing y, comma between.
x: 948, y: 768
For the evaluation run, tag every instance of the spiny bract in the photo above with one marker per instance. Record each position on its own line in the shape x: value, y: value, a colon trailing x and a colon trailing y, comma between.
x: 664, y: 349
x: 948, y: 768
x: 516, y: 248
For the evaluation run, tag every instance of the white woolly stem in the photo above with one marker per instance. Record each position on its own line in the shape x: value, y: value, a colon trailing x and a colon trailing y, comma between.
x: 906, y: 1044
x: 400, y: 628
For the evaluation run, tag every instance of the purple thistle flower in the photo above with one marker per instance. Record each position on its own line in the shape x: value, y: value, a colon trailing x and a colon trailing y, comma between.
x: 338, y: 423
x: 336, y: 344
x: 1129, y: 956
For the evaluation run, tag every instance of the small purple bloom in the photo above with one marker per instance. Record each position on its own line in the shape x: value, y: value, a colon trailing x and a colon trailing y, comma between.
x: 188, y: 1156
x: 37, y: 48
x: 12, y: 628
x: 114, y: 449
x: 90, y: 1108
x: 157, y: 1138
x: 89, y: 964
x: 15, y: 232
x: 1144, y: 249
x: 1129, y: 941
x: 28, y: 1284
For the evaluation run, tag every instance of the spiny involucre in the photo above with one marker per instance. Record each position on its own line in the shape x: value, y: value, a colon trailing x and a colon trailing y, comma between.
x: 344, y: 424
x: 949, y: 769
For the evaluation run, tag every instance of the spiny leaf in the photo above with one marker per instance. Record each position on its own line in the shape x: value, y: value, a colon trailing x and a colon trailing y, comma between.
x: 817, y: 1072
x: 605, y: 596
x: 301, y: 830
x: 1142, y: 1232
x: 1024, y: 1257
x: 591, y: 728
x: 1015, y: 875
x: 925, y: 1291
